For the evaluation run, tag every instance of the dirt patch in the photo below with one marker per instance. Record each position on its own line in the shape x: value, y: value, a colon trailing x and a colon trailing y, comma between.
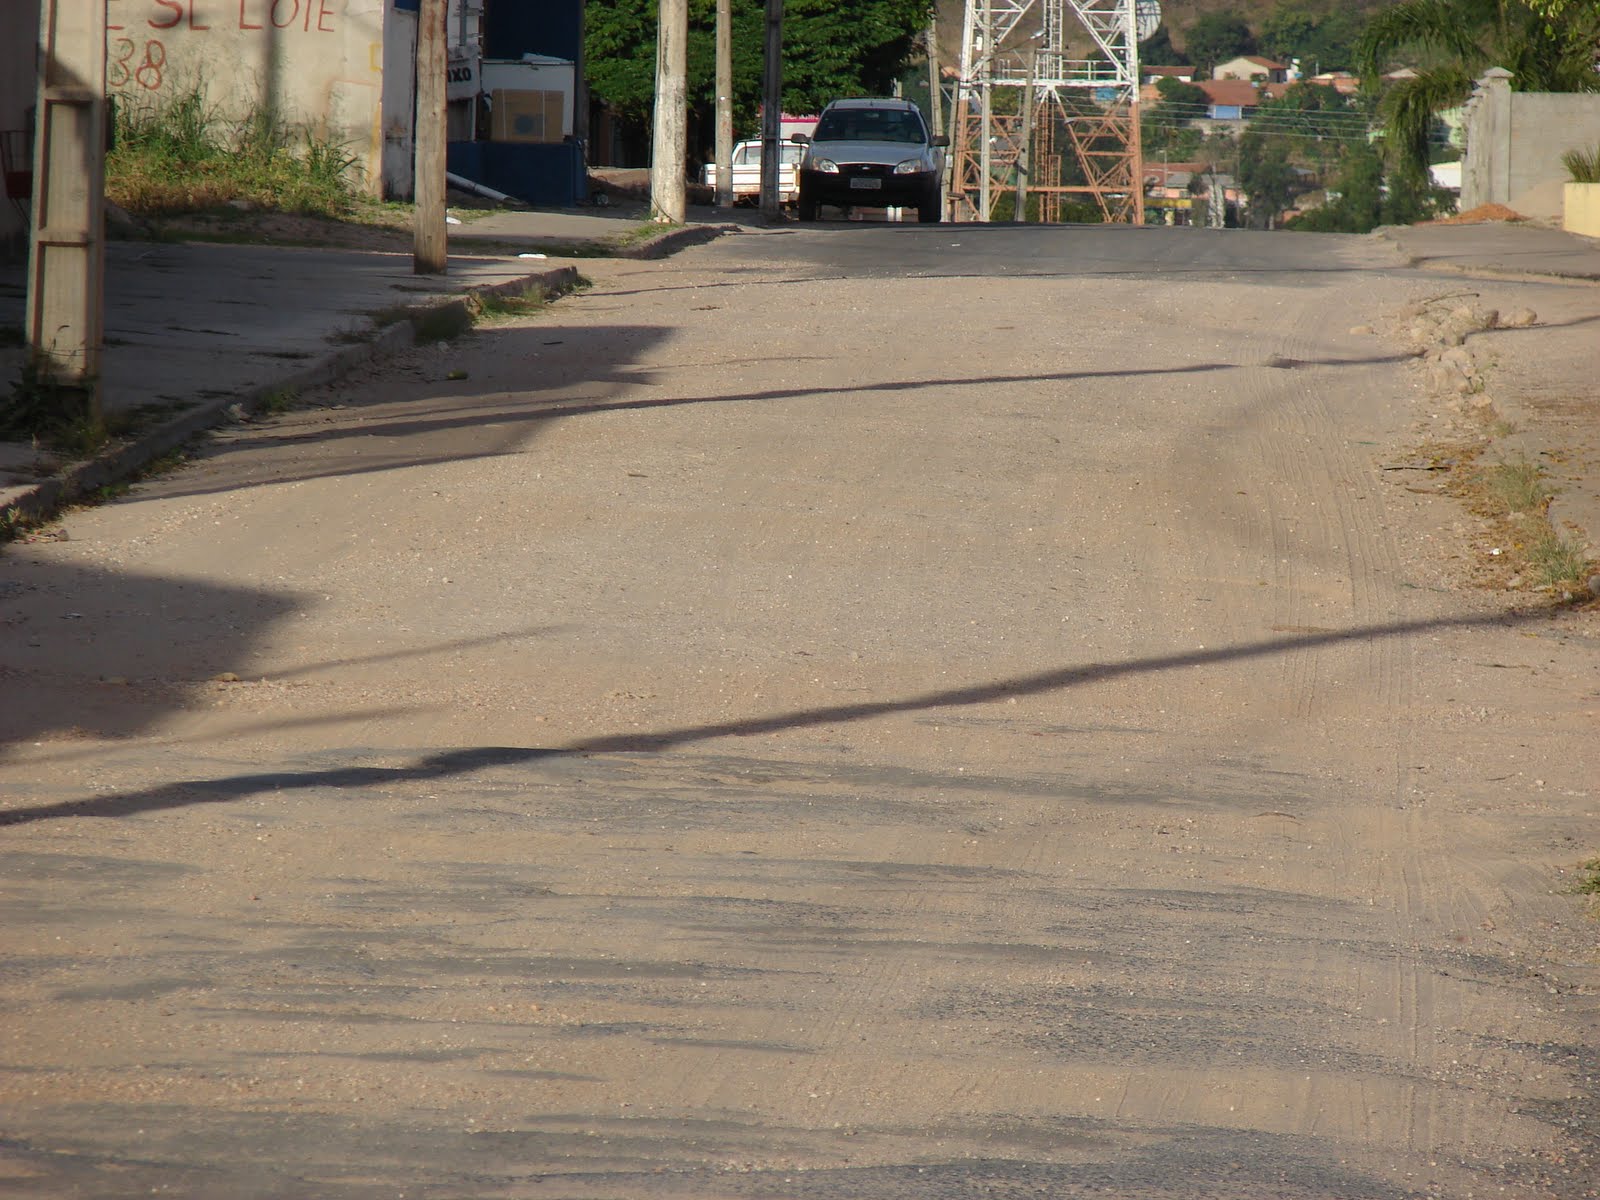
x: 1479, y: 215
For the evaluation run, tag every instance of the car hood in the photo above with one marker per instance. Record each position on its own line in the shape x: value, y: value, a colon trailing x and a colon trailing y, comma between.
x: 885, y: 153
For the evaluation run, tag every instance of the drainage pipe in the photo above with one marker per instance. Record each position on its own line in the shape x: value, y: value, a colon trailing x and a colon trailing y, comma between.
x: 477, y: 189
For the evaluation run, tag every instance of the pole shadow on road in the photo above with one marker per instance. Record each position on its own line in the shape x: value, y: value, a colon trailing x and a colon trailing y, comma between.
x: 580, y: 371
x: 458, y: 762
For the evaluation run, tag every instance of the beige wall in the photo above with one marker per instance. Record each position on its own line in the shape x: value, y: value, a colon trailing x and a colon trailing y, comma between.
x: 319, y: 63
x: 19, y: 21
x: 1581, y: 209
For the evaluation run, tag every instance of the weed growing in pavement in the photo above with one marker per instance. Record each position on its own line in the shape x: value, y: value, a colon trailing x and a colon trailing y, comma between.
x: 490, y: 306
x: 1588, y: 881
x: 43, y: 409
x: 1558, y: 562
x: 393, y: 315
x: 1519, y: 486
x: 440, y: 324
x: 280, y: 400
x: 180, y: 155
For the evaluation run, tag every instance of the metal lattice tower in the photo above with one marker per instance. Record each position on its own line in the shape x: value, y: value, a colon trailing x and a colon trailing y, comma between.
x: 1021, y: 100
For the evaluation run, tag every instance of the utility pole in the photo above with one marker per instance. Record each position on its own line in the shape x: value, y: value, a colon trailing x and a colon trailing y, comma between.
x: 1025, y: 138
x: 772, y: 112
x: 66, y: 249
x: 669, y: 145
x: 985, y: 149
x: 431, y: 240
x: 724, y: 103
x: 935, y: 91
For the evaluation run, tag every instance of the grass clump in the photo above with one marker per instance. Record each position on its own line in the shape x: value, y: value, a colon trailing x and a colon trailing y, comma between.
x: 440, y: 324
x: 1557, y: 562
x: 1587, y: 882
x: 180, y: 156
x: 495, y: 305
x: 1582, y: 165
x: 1515, y: 497
x: 43, y: 409
x: 1518, y: 487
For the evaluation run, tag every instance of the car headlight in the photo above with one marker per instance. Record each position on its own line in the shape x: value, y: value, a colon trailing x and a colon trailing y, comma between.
x: 910, y: 167
x: 826, y: 165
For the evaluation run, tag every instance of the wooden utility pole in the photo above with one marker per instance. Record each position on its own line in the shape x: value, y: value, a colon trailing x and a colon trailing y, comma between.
x: 432, y: 253
x: 724, y: 103
x: 772, y: 112
x: 66, y: 249
x: 669, y: 146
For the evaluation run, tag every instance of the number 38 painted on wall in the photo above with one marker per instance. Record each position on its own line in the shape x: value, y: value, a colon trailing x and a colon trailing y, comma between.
x: 124, y: 64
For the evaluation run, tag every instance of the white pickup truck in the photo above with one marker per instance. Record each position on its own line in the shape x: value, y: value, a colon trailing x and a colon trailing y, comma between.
x: 747, y: 173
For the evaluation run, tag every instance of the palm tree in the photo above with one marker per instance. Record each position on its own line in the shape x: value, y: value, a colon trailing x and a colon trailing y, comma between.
x: 1455, y: 41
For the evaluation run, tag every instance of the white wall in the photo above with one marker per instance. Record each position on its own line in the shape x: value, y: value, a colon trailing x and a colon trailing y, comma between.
x: 318, y: 63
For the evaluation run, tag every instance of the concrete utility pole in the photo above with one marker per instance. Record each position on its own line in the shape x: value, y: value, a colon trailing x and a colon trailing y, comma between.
x: 724, y: 103
x: 66, y: 250
x: 772, y: 112
x: 935, y: 90
x: 669, y: 146
x: 431, y: 255
x: 1025, y: 138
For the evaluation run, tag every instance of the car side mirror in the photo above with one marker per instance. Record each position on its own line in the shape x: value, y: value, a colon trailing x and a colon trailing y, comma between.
x: 939, y: 139
x: 800, y: 139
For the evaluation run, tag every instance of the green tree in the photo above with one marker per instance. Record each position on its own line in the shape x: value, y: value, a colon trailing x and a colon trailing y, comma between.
x: 831, y: 48
x: 1322, y: 34
x: 1361, y: 198
x: 1453, y: 41
x: 1313, y: 121
x: 1157, y: 50
x: 1267, y: 177
x: 1183, y: 97
x: 1217, y: 37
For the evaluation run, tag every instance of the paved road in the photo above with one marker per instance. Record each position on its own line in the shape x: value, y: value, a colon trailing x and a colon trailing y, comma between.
x: 852, y: 712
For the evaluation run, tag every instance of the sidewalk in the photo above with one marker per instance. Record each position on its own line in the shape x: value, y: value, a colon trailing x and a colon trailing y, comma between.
x: 1497, y: 248
x: 196, y: 330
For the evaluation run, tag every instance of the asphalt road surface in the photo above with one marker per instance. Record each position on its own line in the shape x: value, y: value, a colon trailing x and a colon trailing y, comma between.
x: 855, y: 711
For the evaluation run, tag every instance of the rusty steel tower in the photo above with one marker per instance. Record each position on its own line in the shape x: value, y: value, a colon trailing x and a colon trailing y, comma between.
x: 1033, y: 123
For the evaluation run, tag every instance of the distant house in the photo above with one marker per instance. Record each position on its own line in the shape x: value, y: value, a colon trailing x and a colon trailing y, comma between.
x: 1342, y: 82
x: 1237, y: 99
x: 1151, y: 75
x: 1251, y: 66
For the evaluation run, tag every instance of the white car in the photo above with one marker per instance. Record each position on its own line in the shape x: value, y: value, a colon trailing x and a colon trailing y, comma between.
x: 747, y: 172
x: 876, y: 153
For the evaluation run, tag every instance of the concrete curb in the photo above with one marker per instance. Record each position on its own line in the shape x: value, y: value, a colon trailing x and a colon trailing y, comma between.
x: 34, y: 503
x: 674, y: 240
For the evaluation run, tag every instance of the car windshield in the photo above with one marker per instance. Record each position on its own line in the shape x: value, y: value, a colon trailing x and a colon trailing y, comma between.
x: 870, y: 125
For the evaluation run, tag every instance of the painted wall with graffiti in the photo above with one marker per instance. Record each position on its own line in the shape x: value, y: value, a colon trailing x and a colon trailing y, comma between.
x: 319, y: 64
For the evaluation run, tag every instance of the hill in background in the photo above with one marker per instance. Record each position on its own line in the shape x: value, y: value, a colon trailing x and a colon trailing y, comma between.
x: 1177, y: 17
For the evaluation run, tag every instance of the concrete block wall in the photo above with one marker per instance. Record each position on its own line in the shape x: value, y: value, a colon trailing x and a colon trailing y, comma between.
x: 1515, y: 141
x: 318, y: 63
